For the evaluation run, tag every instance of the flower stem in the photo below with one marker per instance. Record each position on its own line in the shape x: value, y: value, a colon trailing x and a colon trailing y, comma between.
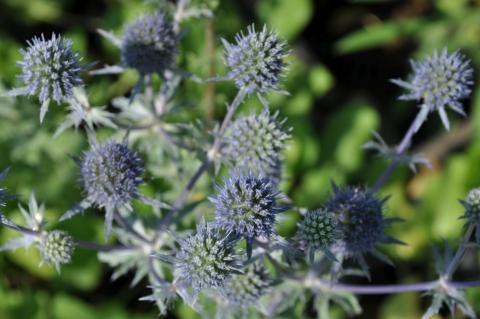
x: 103, y: 247
x: 401, y: 149
x: 460, y: 252
x: 386, y: 289
x: 166, y: 221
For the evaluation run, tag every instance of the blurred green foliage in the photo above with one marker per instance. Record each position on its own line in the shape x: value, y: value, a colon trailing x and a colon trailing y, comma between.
x: 330, y: 122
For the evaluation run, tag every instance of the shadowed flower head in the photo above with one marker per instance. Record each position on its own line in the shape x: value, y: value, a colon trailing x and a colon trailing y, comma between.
x: 318, y: 231
x: 360, y: 216
x: 111, y: 174
x: 438, y: 81
x: 206, y: 259
x: 255, y: 142
x: 256, y: 60
x: 246, y: 289
x: 246, y: 205
x: 149, y: 44
x: 56, y: 248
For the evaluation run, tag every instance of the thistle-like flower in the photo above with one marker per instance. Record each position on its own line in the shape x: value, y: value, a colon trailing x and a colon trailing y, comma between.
x: 360, y: 215
x: 246, y: 205
x: 206, y: 259
x: 472, y: 210
x: 255, y: 143
x: 51, y: 69
x: 319, y: 230
x: 245, y: 290
x: 438, y: 81
x: 56, y: 248
x: 256, y: 60
x: 149, y: 44
x: 111, y: 174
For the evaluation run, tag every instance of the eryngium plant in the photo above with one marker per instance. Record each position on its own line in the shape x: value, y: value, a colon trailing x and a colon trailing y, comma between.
x: 245, y: 290
x: 361, y: 221
x: 256, y: 142
x: 247, y: 205
x: 438, y: 81
x: 319, y: 230
x: 50, y: 70
x: 206, y: 259
x: 57, y: 248
x: 256, y: 60
x: 216, y: 265
x: 149, y: 44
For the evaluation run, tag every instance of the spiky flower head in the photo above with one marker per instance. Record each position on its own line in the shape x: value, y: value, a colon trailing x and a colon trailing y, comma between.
x: 206, y: 259
x: 51, y: 69
x: 255, y: 142
x: 56, y: 248
x: 149, y: 44
x: 111, y: 174
x: 246, y: 205
x: 438, y: 81
x: 360, y: 216
x: 319, y: 230
x: 256, y: 60
x: 246, y: 289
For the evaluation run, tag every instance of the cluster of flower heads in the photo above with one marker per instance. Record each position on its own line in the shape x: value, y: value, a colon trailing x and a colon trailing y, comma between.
x: 56, y: 248
x: 245, y: 290
x: 51, y: 69
x: 438, y: 81
x: 246, y: 205
x: 255, y: 143
x: 351, y: 224
x: 256, y: 60
x: 149, y: 44
x: 206, y: 259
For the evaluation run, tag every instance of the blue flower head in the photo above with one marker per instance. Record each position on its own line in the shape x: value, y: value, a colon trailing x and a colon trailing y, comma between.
x: 246, y: 205
x: 438, y: 81
x: 149, y: 44
x: 255, y: 143
x: 206, y: 259
x: 360, y: 216
x: 50, y: 70
x: 111, y: 174
x: 245, y: 290
x: 256, y: 60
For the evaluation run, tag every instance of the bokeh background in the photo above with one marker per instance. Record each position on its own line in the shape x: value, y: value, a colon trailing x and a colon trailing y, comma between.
x: 344, y: 53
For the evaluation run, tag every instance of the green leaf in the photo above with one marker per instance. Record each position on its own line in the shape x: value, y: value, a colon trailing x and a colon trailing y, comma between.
x: 286, y: 16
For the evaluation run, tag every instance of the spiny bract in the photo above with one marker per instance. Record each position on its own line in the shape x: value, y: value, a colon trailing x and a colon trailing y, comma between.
x: 56, y: 248
x: 246, y: 289
x: 319, y: 230
x: 149, y: 44
x: 360, y: 216
x: 51, y: 69
x: 206, y: 259
x: 255, y: 142
x: 256, y: 61
x: 438, y: 81
x: 246, y: 205
x: 111, y: 174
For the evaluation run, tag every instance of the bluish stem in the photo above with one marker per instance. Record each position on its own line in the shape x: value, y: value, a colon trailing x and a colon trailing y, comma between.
x: 460, y: 252
x: 166, y: 221
x: 401, y: 149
